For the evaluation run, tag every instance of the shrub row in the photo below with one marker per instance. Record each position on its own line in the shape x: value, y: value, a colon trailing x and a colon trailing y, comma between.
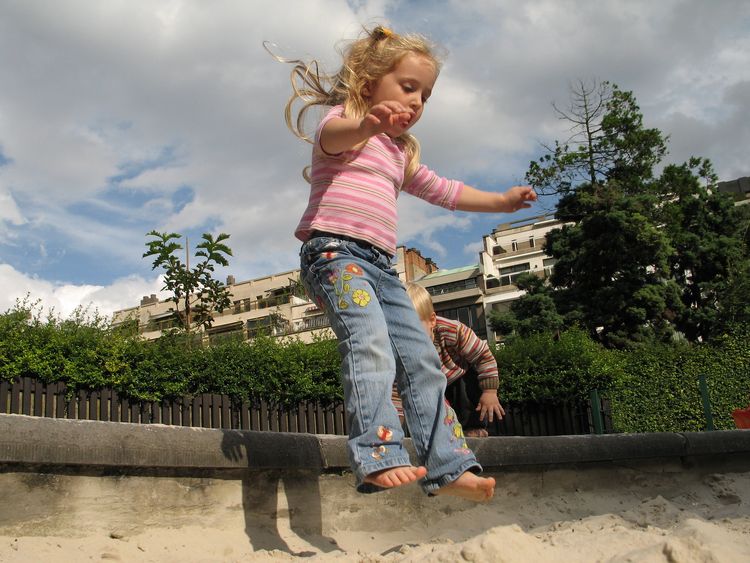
x: 86, y: 353
x: 651, y: 389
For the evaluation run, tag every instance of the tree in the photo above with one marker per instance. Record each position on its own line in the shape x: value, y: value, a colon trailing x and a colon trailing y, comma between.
x: 612, y: 272
x: 535, y: 312
x: 195, y: 293
x: 710, y: 261
x: 640, y: 257
x: 581, y: 158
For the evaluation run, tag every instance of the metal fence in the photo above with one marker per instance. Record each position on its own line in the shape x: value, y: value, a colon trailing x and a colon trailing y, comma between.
x: 32, y: 397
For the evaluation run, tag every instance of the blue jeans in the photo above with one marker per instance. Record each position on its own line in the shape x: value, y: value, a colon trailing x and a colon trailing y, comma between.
x: 381, y: 338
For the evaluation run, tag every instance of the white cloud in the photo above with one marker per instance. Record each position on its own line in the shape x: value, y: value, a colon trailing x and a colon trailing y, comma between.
x: 109, y: 109
x: 9, y: 209
x: 63, y: 299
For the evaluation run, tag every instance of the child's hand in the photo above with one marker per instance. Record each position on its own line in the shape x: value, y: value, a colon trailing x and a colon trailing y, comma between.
x: 489, y: 406
x: 518, y: 197
x: 384, y: 117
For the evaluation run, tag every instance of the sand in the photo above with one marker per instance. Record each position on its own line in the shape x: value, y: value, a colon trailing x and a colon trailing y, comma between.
x: 642, y: 514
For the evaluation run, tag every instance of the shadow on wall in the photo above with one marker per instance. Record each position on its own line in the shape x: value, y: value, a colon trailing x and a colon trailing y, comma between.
x: 282, y: 510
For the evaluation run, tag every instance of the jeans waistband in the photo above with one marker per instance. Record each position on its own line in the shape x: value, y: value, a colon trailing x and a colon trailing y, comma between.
x: 360, y: 242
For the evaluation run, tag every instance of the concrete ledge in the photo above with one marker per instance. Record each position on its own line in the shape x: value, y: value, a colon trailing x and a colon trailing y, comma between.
x: 61, y: 442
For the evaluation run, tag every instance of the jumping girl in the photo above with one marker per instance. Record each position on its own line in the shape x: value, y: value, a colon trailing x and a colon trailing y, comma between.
x: 363, y: 157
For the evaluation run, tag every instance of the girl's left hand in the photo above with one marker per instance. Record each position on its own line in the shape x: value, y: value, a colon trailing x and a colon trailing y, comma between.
x: 518, y: 197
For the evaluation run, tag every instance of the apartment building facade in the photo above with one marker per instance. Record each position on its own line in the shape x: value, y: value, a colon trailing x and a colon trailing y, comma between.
x: 513, y: 249
x: 277, y: 304
x: 274, y: 305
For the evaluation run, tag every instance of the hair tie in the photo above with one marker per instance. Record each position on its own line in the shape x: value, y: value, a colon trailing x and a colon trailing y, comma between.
x: 381, y: 32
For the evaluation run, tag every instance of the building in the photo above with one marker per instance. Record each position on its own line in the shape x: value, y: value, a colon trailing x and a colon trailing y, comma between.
x: 513, y: 249
x: 739, y: 189
x: 274, y: 305
x: 277, y: 304
x: 470, y: 293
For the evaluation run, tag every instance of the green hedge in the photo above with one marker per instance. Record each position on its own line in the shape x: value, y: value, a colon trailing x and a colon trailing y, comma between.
x: 659, y: 389
x: 86, y: 353
x: 548, y: 368
x: 651, y: 389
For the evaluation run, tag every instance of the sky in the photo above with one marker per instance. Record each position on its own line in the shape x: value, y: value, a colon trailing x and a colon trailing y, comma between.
x: 119, y: 117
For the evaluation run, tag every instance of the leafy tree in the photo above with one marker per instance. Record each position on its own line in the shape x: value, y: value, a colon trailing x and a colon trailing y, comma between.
x: 535, y: 312
x: 640, y: 257
x: 612, y: 270
x: 195, y: 293
x: 710, y: 261
x: 607, y: 142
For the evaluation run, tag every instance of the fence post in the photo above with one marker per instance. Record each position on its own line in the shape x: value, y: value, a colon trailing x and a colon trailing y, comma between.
x: 706, y: 403
x: 596, y: 411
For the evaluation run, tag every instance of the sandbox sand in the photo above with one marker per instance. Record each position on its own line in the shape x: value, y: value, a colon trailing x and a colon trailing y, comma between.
x: 620, y: 514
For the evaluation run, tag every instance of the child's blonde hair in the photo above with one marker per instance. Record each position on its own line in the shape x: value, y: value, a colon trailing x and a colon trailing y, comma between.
x: 421, y: 299
x: 366, y: 60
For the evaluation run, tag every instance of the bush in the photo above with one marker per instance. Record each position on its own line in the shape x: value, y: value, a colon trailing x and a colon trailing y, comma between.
x: 652, y: 389
x: 659, y: 390
x: 85, y: 352
x: 545, y: 368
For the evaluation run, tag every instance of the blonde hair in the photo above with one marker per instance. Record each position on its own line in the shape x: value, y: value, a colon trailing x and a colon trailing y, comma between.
x: 421, y: 299
x: 366, y: 61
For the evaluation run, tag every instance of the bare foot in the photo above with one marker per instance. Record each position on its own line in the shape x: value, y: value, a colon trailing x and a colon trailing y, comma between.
x: 471, y: 487
x: 476, y: 433
x: 396, y: 476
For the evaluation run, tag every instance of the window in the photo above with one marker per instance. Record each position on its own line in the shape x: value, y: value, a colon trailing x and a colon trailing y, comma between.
x: 509, y: 275
x: 272, y: 325
x: 548, y: 263
x: 514, y: 246
x: 470, y: 283
x: 224, y: 333
x: 524, y: 266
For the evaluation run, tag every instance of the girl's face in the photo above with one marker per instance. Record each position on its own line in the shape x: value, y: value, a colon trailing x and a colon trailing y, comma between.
x: 410, y: 83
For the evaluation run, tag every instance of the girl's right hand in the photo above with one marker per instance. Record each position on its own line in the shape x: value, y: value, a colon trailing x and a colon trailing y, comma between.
x: 386, y: 117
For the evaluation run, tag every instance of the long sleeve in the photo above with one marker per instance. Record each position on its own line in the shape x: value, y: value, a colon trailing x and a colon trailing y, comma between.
x: 461, y: 349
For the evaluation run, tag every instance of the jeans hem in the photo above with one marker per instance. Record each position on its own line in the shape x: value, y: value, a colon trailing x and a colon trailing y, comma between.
x: 430, y: 486
x: 365, y: 470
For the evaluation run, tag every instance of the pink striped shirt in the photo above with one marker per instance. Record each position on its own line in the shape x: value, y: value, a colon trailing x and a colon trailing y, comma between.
x: 354, y: 193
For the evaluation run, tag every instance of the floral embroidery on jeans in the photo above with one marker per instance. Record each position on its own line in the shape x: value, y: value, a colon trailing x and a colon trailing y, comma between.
x: 457, y: 432
x: 385, y: 433
x: 378, y: 452
x: 354, y: 269
x: 361, y: 297
x: 342, y: 288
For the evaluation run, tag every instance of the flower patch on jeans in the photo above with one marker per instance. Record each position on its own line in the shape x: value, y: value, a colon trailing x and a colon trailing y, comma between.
x: 457, y: 432
x: 342, y: 288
